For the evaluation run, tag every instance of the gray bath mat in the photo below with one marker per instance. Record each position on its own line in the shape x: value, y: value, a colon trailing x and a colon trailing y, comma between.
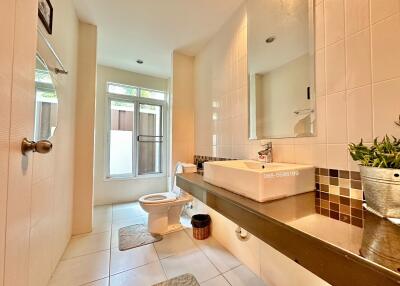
x: 136, y: 235
x: 183, y: 280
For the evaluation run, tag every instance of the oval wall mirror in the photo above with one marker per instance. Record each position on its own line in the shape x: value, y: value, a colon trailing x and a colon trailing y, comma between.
x: 46, y: 107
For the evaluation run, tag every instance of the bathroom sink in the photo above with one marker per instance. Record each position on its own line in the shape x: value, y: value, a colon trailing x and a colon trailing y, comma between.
x: 260, y: 181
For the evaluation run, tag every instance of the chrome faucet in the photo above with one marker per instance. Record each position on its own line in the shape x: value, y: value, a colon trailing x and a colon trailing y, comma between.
x: 266, y: 152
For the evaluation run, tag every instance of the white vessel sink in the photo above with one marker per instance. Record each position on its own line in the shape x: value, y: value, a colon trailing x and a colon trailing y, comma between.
x: 260, y: 181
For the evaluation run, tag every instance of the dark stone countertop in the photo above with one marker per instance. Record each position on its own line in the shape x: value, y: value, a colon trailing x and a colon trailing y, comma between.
x: 340, y: 253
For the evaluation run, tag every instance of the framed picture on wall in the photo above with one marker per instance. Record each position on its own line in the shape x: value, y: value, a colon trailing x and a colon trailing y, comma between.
x: 46, y: 15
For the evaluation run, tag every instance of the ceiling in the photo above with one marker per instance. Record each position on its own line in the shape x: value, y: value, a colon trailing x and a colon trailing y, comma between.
x: 151, y: 30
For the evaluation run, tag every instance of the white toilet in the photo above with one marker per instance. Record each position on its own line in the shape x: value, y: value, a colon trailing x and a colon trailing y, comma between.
x: 165, y: 209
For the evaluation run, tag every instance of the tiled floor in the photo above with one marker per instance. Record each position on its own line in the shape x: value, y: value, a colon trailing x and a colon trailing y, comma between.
x: 94, y: 259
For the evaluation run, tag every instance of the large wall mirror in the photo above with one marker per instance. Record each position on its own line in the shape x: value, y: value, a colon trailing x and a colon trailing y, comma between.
x: 281, y: 68
x: 46, y: 107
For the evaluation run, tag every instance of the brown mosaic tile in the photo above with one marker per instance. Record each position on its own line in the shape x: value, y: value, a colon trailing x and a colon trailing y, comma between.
x: 344, y: 218
x: 324, y: 204
x: 357, y: 204
x: 325, y: 212
x: 334, y: 181
x: 333, y: 173
x: 356, y: 213
x: 344, y: 174
x: 355, y: 176
x: 318, y: 210
x: 324, y: 172
x: 334, y: 190
x: 324, y: 180
x: 345, y: 209
x: 317, y: 186
x: 345, y: 192
x: 334, y: 215
x: 344, y: 183
x: 345, y: 201
x: 356, y: 221
x: 334, y: 207
x: 317, y: 194
x: 317, y: 178
x: 334, y: 198
x: 324, y: 196
x: 317, y: 171
x: 356, y: 185
x: 324, y: 188
x: 317, y: 202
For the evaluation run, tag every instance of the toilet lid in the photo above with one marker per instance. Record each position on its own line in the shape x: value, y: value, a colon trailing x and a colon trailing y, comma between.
x: 158, y: 198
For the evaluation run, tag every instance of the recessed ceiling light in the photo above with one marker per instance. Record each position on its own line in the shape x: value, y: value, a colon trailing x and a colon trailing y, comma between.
x: 270, y: 39
x: 139, y: 62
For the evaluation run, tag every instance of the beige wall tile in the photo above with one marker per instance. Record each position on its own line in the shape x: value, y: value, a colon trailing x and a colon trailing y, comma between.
x: 320, y: 84
x: 336, y: 118
x: 386, y: 108
x: 334, y: 21
x: 381, y: 9
x: 335, y: 68
x: 358, y: 58
x: 386, y: 49
x: 337, y: 156
x: 359, y: 114
x: 319, y: 26
x: 357, y: 15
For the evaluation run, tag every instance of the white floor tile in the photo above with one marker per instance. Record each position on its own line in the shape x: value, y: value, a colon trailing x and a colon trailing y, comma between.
x: 80, y: 270
x: 127, y: 211
x: 216, y: 281
x: 242, y: 276
x: 102, y: 214
x: 146, y: 275
x: 195, y: 263
x: 129, y: 259
x: 175, y: 243
x: 86, y: 244
x: 219, y: 256
x: 102, y: 282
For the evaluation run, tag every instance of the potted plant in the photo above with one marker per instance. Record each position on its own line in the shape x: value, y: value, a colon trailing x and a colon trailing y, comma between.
x: 380, y: 175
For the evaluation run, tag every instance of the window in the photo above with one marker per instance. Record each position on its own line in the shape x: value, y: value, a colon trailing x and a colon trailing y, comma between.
x: 135, y: 131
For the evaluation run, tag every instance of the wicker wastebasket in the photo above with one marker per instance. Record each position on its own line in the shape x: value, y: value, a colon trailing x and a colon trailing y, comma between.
x: 201, y: 226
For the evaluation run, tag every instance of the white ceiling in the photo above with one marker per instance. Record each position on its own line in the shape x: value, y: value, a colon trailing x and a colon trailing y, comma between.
x: 151, y: 29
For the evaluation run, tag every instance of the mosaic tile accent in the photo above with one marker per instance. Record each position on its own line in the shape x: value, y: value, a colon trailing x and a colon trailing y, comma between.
x: 339, y: 195
x: 199, y: 160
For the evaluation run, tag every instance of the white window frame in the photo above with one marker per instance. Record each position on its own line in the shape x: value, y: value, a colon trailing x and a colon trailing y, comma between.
x: 136, y: 100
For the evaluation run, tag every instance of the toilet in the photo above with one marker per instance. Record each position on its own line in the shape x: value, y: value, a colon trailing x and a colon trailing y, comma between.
x: 165, y: 209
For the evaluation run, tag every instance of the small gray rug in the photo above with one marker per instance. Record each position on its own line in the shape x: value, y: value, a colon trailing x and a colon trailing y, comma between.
x: 183, y: 280
x: 136, y: 235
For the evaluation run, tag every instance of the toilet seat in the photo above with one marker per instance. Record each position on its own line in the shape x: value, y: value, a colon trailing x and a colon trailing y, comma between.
x: 158, y: 198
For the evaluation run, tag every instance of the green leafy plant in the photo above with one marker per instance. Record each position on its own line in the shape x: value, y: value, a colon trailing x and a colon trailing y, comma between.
x: 382, y: 154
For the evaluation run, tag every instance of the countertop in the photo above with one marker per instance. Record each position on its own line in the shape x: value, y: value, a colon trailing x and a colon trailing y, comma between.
x: 340, y: 253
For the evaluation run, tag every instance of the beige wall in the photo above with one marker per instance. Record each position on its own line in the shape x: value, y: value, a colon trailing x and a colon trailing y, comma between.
x: 119, y: 190
x: 40, y: 187
x: 182, y: 109
x: 357, y: 85
x: 84, y: 129
x: 7, y: 13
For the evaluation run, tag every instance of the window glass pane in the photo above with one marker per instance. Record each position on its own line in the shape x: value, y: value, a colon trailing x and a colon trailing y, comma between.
x: 153, y: 94
x: 121, y: 137
x: 149, y: 158
x: 122, y: 89
x: 150, y: 139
